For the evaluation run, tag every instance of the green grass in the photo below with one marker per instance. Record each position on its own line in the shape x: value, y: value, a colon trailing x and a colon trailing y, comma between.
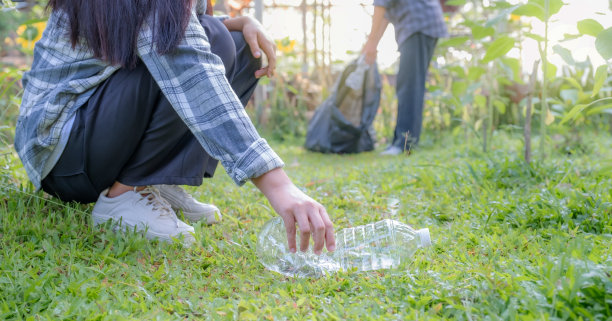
x: 510, y: 241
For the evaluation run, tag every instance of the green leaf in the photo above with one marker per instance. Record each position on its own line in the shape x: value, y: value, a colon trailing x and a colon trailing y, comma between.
x: 480, y: 100
x: 553, y: 5
x: 458, y: 88
x: 530, y: 9
x: 551, y: 71
x: 458, y: 70
x: 574, y: 83
x: 607, y: 108
x: 603, y: 43
x: 589, y: 27
x: 454, y: 41
x: 568, y: 36
x: 514, y: 65
x: 536, y: 8
x: 479, y: 32
x: 564, y: 53
x: 455, y: 2
x: 601, y: 74
x: 498, y: 48
x: 576, y: 110
x: 534, y: 36
x: 475, y: 72
x: 501, y: 107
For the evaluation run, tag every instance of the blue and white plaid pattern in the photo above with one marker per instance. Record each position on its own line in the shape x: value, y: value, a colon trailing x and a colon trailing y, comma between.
x: 410, y: 16
x: 62, y: 79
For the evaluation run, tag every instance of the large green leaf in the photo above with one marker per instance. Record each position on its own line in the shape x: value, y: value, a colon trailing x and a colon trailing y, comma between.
x: 530, y: 10
x: 515, y: 66
x: 607, y: 108
x: 498, y: 48
x: 551, y: 70
x: 577, y: 110
x: 574, y: 83
x: 479, y: 32
x: 454, y: 41
x: 458, y: 70
x: 475, y: 72
x: 564, y: 53
x: 553, y: 5
x: 458, y: 88
x: 536, y: 8
x: 589, y: 27
x: 501, y: 107
x: 603, y: 43
x: 600, y: 78
x: 534, y: 36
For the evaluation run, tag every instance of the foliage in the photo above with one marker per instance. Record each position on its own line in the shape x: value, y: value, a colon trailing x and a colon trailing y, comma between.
x: 510, y: 241
x: 10, y: 99
x: 483, y: 89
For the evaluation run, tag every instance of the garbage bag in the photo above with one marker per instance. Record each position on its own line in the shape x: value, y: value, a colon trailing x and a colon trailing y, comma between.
x: 343, y: 122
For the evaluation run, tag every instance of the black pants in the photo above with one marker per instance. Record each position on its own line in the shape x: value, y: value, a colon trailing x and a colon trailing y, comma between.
x: 128, y: 131
x: 415, y: 54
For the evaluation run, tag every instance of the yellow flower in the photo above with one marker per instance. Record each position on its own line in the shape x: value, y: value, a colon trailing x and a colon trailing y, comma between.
x: 285, y: 45
x: 514, y: 17
x: 29, y: 34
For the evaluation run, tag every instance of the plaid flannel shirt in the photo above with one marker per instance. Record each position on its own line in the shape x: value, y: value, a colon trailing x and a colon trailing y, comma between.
x: 62, y: 79
x: 410, y: 16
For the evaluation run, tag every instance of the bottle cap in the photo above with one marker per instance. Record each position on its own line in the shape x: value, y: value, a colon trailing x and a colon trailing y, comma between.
x: 424, y: 236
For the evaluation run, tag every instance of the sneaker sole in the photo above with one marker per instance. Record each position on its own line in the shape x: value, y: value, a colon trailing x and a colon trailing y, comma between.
x: 211, y: 217
x: 188, y: 238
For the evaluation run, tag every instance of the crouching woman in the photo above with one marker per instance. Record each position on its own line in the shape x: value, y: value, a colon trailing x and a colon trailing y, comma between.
x: 126, y: 100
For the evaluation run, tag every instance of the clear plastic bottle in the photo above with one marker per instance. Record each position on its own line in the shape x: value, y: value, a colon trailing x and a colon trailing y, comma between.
x: 381, y: 245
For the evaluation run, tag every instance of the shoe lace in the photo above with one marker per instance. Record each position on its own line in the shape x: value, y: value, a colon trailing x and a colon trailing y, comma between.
x: 154, y: 199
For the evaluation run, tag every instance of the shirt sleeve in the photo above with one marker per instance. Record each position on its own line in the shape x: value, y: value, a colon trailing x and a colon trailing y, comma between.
x: 193, y: 80
x: 383, y: 3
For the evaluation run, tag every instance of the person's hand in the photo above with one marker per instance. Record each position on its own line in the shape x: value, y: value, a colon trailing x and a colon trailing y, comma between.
x: 293, y: 206
x: 369, y: 52
x: 258, y: 40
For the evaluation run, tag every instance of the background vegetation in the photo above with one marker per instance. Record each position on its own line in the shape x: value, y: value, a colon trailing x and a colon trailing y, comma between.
x: 512, y: 239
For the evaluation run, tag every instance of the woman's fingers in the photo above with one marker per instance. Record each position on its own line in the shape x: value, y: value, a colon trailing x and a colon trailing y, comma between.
x: 269, y: 48
x: 301, y: 216
x: 317, y: 229
x: 290, y: 229
x: 330, y: 238
x: 261, y: 72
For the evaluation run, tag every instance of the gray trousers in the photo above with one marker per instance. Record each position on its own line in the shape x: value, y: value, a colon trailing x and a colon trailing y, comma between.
x: 415, y: 55
x: 128, y: 131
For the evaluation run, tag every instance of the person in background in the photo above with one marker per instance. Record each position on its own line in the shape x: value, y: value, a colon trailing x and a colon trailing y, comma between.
x: 126, y: 100
x: 418, y: 25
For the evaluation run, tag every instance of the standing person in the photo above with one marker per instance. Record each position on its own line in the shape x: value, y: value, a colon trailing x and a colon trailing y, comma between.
x: 418, y: 25
x: 126, y: 100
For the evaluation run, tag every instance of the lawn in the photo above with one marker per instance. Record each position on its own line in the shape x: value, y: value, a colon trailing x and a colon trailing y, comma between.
x: 510, y: 241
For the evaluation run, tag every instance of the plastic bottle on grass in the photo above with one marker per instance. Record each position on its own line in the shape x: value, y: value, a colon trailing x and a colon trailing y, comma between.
x: 381, y: 245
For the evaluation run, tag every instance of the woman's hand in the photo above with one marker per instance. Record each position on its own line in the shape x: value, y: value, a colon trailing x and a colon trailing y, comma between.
x: 369, y: 52
x: 293, y: 206
x: 257, y: 39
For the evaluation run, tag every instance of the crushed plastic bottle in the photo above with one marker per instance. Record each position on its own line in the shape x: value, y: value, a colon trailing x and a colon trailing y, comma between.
x: 355, y: 79
x: 381, y: 245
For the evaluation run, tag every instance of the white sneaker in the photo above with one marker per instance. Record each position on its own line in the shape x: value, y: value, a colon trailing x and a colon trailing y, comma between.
x: 192, y: 209
x: 392, y: 150
x: 144, y: 210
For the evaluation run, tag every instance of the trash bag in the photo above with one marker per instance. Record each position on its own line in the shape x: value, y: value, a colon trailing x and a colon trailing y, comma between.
x: 343, y: 122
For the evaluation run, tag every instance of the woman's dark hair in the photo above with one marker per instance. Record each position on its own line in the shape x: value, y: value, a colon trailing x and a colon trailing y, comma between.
x: 110, y: 27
